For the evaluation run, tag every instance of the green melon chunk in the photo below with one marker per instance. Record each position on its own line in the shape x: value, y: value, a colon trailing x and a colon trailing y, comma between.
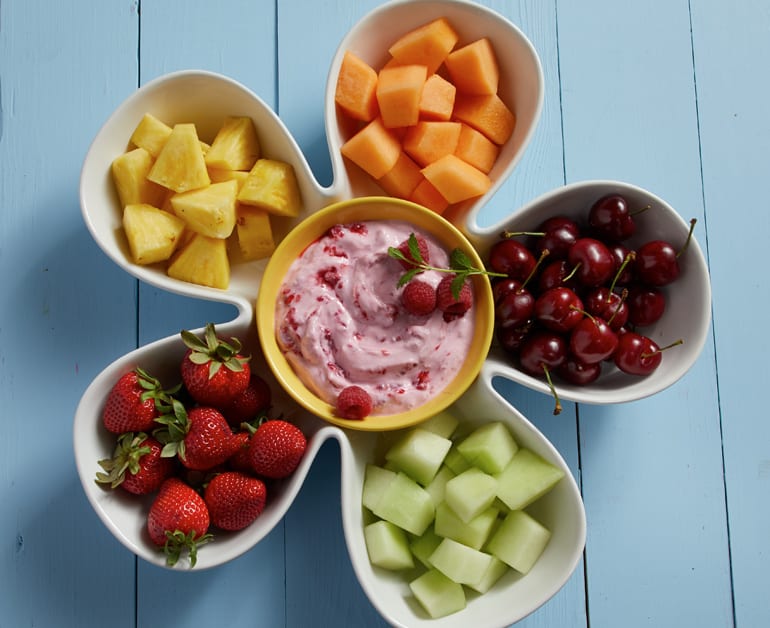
x: 459, y: 562
x: 489, y: 447
x: 456, y: 461
x: 387, y: 546
x: 437, y: 486
x: 406, y: 504
x: 423, y: 546
x: 526, y: 478
x: 437, y: 594
x: 494, y: 572
x: 519, y: 541
x: 470, y: 493
x: 473, y: 534
x: 419, y: 454
x: 376, y: 480
x: 444, y: 424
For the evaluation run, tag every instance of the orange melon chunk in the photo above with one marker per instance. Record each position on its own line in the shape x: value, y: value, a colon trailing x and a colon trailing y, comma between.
x: 475, y: 148
x: 427, y: 141
x: 399, y: 90
x: 438, y: 98
x: 473, y: 68
x: 402, y: 178
x: 455, y: 179
x: 356, y: 88
x: 427, y: 195
x: 426, y: 45
x: 374, y: 149
x: 486, y: 113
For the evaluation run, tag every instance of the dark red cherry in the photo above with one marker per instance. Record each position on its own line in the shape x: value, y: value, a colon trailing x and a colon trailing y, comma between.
x: 610, y: 219
x: 637, y: 354
x: 592, y: 340
x: 593, y: 260
x: 542, y: 349
x: 510, y: 338
x: 646, y: 305
x: 619, y: 254
x: 559, y: 234
x: 558, y: 309
x: 515, y: 308
x: 576, y: 372
x: 502, y: 287
x: 656, y: 263
x: 556, y: 275
x: 512, y: 258
x: 610, y: 306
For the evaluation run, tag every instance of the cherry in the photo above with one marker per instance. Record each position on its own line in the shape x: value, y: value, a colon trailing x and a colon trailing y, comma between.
x: 608, y: 305
x: 556, y: 274
x: 512, y: 258
x: 592, y: 340
x: 637, y: 354
x: 624, y: 275
x: 558, y: 309
x: 594, y: 261
x: 502, y: 287
x: 559, y: 234
x: 610, y: 218
x: 515, y: 308
x: 510, y: 338
x: 541, y: 352
x: 646, y: 305
x: 579, y: 373
x: 657, y: 261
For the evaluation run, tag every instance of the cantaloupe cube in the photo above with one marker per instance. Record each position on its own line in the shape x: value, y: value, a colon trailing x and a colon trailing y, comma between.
x: 255, y: 233
x: 129, y: 173
x: 455, y: 179
x: 476, y: 148
x: 399, y: 90
x: 426, y: 45
x: 152, y: 234
x: 427, y: 195
x: 356, y: 88
x: 486, y: 113
x: 272, y: 186
x: 180, y: 165
x: 236, y: 145
x: 203, y: 261
x: 473, y: 68
x: 401, y: 180
x: 438, y: 98
x: 428, y: 141
x: 374, y: 149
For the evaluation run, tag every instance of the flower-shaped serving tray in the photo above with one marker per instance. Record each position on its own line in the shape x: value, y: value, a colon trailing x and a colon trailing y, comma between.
x: 206, y: 98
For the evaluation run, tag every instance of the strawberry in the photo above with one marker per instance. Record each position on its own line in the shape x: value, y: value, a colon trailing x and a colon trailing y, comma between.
x: 419, y: 298
x: 240, y: 460
x: 353, y: 402
x: 276, y: 448
x: 451, y: 306
x: 234, y: 500
x: 132, y: 403
x: 178, y: 519
x: 201, y: 438
x: 136, y: 465
x: 248, y: 405
x: 214, y: 372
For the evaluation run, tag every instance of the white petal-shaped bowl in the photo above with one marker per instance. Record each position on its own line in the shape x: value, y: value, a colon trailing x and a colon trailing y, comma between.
x: 206, y: 98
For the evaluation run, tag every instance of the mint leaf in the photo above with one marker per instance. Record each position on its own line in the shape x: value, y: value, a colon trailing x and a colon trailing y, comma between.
x: 458, y: 260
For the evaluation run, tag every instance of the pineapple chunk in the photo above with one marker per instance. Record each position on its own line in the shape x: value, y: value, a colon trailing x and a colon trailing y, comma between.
x: 180, y: 165
x: 129, y: 173
x: 272, y: 186
x: 217, y: 175
x: 151, y: 134
x: 209, y: 211
x: 202, y: 261
x: 255, y: 235
x: 152, y: 234
x: 236, y: 146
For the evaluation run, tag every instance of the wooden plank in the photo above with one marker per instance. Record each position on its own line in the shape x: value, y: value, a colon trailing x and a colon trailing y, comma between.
x: 61, y: 297
x: 651, y: 470
x: 731, y: 49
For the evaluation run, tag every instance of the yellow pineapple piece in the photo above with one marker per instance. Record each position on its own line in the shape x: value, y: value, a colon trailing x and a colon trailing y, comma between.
x: 152, y: 234
x: 217, y: 175
x: 272, y: 186
x: 129, y: 173
x: 151, y: 134
x: 202, y: 261
x: 210, y: 210
x: 255, y: 235
x: 180, y: 165
x: 236, y: 146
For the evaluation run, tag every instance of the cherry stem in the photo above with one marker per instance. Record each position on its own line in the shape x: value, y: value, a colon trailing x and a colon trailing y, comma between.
x: 557, y: 404
x: 623, y: 297
x: 641, y: 210
x: 512, y: 234
x: 571, y: 273
x: 689, y: 237
x: 673, y: 344
x: 626, y: 261
x: 545, y: 253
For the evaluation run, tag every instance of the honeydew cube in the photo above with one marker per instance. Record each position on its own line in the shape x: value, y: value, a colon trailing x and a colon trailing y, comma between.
x: 437, y: 594
x: 526, y: 478
x: 460, y: 563
x: 494, y: 572
x: 437, y: 486
x: 376, y: 480
x: 473, y: 533
x: 406, y: 504
x: 419, y: 454
x: 387, y: 546
x: 444, y: 424
x: 489, y: 447
x: 519, y: 541
x: 424, y: 545
x: 470, y: 493
x: 456, y: 461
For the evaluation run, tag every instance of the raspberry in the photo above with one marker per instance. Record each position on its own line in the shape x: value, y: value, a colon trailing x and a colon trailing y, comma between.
x: 422, y: 245
x: 419, y: 298
x: 354, y: 402
x: 446, y: 302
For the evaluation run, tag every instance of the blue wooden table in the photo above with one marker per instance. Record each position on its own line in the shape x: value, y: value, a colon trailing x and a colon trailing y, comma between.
x: 670, y: 95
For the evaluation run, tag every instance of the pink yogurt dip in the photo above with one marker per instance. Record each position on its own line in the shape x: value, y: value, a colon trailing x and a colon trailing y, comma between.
x: 340, y: 322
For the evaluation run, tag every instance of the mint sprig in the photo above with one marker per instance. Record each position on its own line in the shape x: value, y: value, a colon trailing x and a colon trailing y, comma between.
x: 459, y: 264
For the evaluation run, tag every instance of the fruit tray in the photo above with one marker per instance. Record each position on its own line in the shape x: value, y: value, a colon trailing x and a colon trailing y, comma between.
x: 205, y: 98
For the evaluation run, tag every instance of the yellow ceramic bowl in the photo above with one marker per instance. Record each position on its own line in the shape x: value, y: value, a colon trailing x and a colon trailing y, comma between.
x: 360, y: 210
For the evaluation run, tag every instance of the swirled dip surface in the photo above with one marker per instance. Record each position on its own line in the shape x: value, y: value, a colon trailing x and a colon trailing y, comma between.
x: 339, y: 320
